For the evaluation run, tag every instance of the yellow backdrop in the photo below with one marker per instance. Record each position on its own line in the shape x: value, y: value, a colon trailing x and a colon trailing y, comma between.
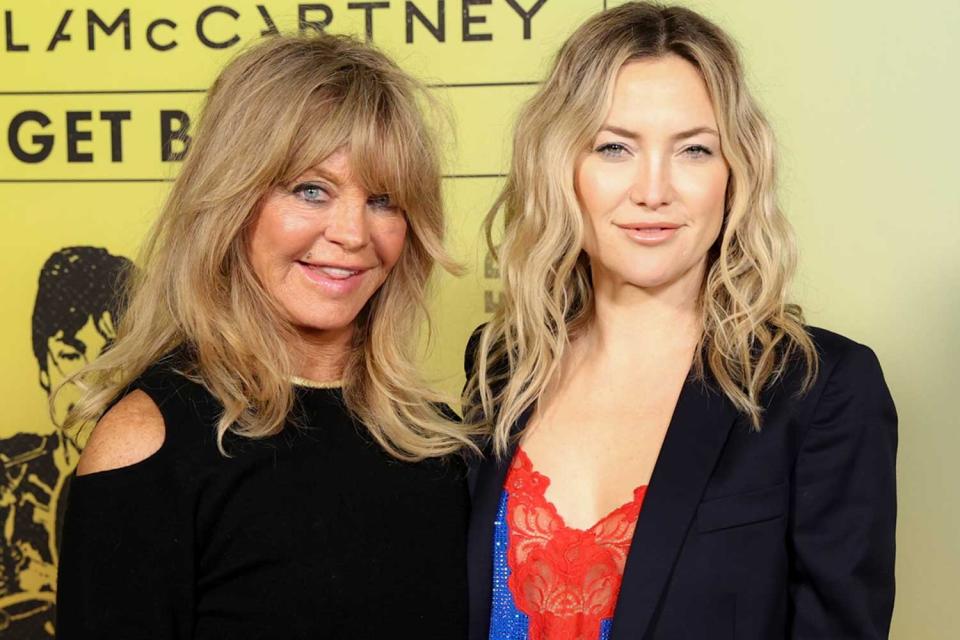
x: 94, y: 103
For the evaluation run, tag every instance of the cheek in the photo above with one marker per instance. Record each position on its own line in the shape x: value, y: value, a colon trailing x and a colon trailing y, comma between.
x: 389, y: 237
x: 705, y: 194
x: 716, y: 201
x: 599, y: 187
x: 260, y: 241
x: 276, y: 238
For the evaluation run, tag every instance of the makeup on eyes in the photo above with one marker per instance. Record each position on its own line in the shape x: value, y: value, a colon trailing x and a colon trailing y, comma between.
x: 314, y: 192
x: 311, y: 192
x: 617, y: 149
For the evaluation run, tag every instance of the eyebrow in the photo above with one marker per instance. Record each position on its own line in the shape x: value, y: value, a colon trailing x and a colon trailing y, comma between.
x: 688, y: 133
x: 314, y: 173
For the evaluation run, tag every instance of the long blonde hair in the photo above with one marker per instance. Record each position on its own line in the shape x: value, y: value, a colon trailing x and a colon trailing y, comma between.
x: 750, y: 331
x: 276, y: 110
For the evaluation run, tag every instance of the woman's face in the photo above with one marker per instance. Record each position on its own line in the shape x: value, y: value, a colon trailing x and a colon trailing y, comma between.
x: 652, y: 185
x: 322, y: 246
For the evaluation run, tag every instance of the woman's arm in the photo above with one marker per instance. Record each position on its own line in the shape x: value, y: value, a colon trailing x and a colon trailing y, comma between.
x: 126, y: 558
x: 844, y: 506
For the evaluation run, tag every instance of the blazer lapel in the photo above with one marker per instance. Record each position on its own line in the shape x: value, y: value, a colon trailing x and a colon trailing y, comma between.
x: 698, y: 430
x: 486, y: 485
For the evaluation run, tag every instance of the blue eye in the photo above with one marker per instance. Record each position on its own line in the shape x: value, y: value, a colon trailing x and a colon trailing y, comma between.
x: 380, y: 201
x: 697, y: 151
x: 311, y: 192
x: 612, y: 149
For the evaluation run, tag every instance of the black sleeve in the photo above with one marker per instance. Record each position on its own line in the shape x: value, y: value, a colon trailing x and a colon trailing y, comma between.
x: 126, y: 559
x: 469, y: 361
x: 844, y: 507
x: 470, y: 353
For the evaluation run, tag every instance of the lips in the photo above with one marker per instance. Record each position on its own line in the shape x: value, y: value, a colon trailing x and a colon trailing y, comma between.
x: 335, y: 280
x: 335, y: 272
x: 649, y: 233
x: 643, y: 226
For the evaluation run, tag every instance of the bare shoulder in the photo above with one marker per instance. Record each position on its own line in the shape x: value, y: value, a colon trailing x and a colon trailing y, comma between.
x: 130, y: 432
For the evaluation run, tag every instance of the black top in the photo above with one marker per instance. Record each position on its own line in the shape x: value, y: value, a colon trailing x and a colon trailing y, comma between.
x: 313, y: 533
x: 786, y: 532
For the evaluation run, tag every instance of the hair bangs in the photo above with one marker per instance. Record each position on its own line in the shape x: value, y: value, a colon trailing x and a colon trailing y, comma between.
x: 383, y: 141
x: 324, y: 128
x: 384, y: 162
x: 278, y: 109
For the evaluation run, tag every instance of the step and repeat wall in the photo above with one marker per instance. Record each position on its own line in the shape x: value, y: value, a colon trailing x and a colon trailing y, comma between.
x: 96, y: 105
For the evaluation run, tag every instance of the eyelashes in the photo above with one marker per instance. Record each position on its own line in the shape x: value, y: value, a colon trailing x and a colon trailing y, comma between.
x: 315, y: 193
x: 311, y: 192
x: 612, y: 149
x: 697, y: 151
x: 619, y: 150
x: 381, y: 201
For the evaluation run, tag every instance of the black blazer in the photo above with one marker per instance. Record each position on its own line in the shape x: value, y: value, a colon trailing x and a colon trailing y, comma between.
x: 783, y: 533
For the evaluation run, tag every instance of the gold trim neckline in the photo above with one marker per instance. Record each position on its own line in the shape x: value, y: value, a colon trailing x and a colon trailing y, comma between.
x: 316, y: 384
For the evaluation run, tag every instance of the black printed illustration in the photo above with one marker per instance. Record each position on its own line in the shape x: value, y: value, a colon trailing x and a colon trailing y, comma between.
x: 74, y: 315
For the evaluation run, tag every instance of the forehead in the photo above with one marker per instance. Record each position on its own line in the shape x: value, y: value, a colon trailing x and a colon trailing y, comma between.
x: 370, y: 155
x: 665, y: 93
x: 337, y: 165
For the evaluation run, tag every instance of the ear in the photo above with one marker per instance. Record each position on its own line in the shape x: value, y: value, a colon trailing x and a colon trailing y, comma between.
x: 45, y: 380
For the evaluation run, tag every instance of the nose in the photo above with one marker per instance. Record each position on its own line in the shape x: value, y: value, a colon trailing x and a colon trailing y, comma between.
x: 347, y: 226
x: 652, y: 187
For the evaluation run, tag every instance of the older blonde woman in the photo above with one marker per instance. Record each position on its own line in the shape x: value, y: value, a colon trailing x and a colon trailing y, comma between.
x: 674, y: 453
x: 266, y: 462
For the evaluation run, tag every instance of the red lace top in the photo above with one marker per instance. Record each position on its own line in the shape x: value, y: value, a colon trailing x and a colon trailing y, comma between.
x: 565, y: 580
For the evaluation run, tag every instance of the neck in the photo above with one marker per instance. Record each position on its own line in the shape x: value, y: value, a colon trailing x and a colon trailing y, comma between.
x: 322, y: 355
x: 631, y: 322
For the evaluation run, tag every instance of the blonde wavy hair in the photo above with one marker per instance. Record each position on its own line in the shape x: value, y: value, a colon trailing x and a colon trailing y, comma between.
x: 277, y: 109
x: 751, y: 333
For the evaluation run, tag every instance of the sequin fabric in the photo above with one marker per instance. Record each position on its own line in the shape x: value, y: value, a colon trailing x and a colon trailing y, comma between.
x: 506, y: 622
x: 551, y: 581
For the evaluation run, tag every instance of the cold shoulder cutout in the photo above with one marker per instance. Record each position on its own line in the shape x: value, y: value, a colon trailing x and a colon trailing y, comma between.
x: 312, y: 533
x: 129, y: 432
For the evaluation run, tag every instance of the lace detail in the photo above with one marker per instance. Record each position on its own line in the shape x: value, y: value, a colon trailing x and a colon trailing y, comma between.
x: 565, y: 579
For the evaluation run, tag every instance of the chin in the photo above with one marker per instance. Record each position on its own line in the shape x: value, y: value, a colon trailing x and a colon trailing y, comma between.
x: 651, y: 283
x: 323, y: 314
x: 319, y: 326
x: 657, y: 274
x: 649, y: 278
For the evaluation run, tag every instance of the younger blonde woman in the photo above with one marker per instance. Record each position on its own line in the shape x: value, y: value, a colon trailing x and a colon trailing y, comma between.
x: 674, y: 453
x: 267, y: 463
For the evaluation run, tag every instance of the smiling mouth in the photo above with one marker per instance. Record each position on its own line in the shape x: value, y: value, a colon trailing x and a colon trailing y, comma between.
x: 335, y: 273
